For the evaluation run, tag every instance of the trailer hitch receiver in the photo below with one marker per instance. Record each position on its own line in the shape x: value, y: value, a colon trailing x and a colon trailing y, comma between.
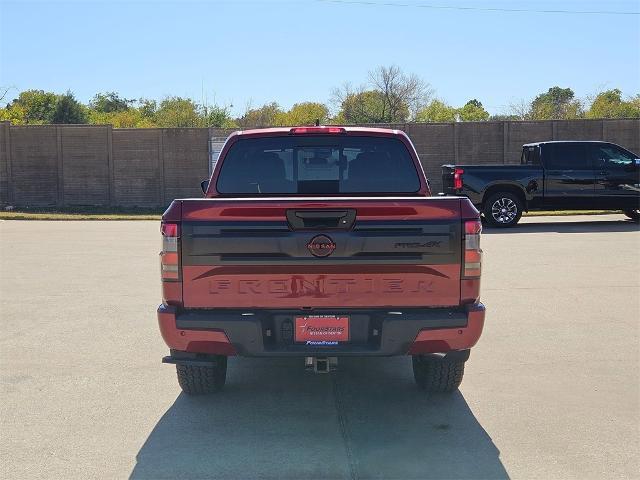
x: 321, y: 364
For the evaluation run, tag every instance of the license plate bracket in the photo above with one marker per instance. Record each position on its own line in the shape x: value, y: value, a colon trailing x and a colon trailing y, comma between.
x: 322, y: 329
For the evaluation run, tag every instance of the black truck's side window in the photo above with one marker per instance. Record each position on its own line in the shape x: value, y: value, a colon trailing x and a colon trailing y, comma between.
x: 566, y: 156
x: 612, y: 157
x: 534, y: 156
x: 530, y: 156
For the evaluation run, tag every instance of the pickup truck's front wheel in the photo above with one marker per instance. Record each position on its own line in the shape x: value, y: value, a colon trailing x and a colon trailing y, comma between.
x: 199, y: 380
x: 502, y: 209
x: 437, y: 375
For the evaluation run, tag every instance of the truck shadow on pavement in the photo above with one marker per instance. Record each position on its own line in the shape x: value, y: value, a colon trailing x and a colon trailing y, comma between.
x: 274, y: 420
x: 531, y: 226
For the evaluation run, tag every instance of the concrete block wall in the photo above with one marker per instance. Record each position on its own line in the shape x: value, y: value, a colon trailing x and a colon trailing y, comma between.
x: 84, y: 165
x: 68, y: 165
x: 137, y: 167
x: 185, y: 157
x: 33, y: 158
x: 4, y: 162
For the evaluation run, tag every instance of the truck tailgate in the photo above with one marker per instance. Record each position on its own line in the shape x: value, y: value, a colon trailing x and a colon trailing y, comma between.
x: 247, y: 253
x: 448, y: 172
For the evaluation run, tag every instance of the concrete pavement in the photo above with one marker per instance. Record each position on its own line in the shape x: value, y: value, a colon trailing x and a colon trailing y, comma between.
x: 551, y: 390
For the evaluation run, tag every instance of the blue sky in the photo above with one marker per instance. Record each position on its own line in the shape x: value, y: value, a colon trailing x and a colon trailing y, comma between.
x: 290, y: 51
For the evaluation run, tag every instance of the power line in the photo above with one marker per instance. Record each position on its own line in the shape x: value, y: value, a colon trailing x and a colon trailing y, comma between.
x: 482, y: 9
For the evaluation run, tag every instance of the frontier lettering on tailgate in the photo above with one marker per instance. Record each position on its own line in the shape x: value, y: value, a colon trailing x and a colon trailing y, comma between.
x: 299, y: 287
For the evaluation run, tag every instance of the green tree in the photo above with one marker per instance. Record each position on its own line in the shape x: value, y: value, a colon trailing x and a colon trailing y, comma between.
x: 217, y: 116
x: 34, y: 106
x: 178, y: 112
x: 635, y: 104
x: 556, y: 104
x: 436, y: 111
x: 147, y: 107
x: 609, y: 104
x: 69, y: 110
x: 504, y: 118
x: 264, y: 116
x: 364, y: 107
x: 130, y: 118
x: 14, y: 114
x: 305, y: 113
x: 109, y: 102
x: 473, y: 111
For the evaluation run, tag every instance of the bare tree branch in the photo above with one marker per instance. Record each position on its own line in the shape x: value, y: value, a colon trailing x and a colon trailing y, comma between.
x: 389, y: 96
x: 521, y: 109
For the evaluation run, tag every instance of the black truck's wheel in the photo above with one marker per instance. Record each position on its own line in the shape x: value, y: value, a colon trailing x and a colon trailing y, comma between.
x: 502, y: 209
x: 437, y: 375
x: 197, y: 380
x: 633, y: 214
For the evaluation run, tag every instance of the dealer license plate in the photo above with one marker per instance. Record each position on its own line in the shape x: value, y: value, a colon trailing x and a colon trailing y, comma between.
x: 322, y: 329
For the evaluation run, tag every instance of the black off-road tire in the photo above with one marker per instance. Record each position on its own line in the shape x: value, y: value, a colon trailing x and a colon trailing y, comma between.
x: 633, y: 214
x: 437, y: 375
x: 513, y: 206
x: 197, y: 380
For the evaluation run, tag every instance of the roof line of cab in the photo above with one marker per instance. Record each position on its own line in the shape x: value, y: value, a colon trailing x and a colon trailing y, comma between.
x: 533, y: 144
x: 281, y: 131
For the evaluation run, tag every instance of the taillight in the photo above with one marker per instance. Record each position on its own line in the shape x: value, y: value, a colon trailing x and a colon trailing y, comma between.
x: 169, y: 258
x: 472, y: 252
x: 316, y: 130
x: 457, y: 178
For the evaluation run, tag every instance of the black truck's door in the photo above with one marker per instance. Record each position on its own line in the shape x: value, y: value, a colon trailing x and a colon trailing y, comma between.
x: 569, y: 180
x: 617, y: 176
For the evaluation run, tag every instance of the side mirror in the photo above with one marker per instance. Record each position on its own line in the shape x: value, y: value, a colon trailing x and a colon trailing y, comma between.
x: 204, y: 185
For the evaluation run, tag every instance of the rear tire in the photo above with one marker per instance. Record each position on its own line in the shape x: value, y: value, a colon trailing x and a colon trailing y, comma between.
x: 197, y: 380
x: 437, y: 375
x: 633, y: 214
x: 502, y: 209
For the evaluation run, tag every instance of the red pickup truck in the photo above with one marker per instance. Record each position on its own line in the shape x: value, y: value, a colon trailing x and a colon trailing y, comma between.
x: 320, y: 242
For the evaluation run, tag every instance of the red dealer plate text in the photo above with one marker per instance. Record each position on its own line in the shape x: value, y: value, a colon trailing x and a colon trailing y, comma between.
x: 322, y: 328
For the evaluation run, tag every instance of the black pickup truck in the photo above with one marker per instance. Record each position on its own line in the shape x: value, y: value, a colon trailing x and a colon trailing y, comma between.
x: 559, y: 175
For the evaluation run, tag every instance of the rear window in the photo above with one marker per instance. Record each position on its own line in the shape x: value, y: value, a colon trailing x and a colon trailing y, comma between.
x: 567, y: 156
x: 319, y: 165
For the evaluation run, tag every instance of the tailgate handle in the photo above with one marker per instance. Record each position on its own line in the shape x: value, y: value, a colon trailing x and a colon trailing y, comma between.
x: 321, y: 219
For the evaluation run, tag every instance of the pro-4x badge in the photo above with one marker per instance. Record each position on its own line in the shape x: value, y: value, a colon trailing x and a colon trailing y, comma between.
x: 321, y: 246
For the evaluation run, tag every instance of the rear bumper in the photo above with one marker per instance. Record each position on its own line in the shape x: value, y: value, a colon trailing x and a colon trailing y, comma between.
x: 376, y: 332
